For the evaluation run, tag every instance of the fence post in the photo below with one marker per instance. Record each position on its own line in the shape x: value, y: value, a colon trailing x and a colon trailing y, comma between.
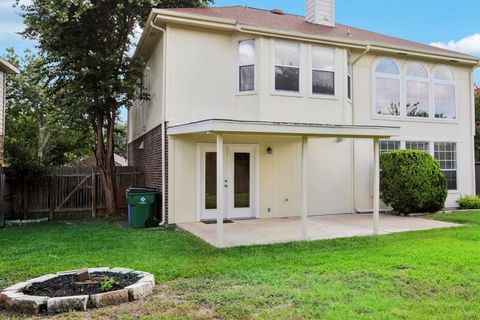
x: 94, y: 193
x: 51, y: 196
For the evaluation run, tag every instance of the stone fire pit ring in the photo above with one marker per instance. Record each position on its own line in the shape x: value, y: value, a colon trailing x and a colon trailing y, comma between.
x: 13, y: 299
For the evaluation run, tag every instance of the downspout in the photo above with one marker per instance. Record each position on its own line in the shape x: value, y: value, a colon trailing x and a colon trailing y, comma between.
x: 473, y: 125
x: 357, y: 210
x: 164, y: 93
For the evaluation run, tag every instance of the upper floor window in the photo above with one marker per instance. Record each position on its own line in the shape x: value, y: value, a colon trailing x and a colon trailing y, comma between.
x: 323, y: 70
x: 287, y: 66
x: 349, y: 75
x: 387, y: 88
x: 444, y: 90
x: 417, y: 92
x: 246, y: 65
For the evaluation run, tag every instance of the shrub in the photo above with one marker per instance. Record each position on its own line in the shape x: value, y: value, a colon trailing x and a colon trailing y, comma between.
x: 411, y: 181
x: 469, y: 202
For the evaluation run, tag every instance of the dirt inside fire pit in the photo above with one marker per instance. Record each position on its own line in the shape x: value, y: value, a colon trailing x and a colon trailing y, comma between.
x: 68, y: 285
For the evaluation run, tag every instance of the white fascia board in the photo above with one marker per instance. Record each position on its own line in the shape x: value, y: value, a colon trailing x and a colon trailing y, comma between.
x: 271, y: 128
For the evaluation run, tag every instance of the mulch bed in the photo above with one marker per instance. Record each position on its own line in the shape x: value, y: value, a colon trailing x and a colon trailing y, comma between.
x: 64, y: 286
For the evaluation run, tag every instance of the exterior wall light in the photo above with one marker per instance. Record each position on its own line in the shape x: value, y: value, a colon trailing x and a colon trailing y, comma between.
x: 269, y: 150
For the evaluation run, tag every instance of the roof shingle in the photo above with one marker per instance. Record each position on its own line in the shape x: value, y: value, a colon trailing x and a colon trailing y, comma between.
x: 294, y: 23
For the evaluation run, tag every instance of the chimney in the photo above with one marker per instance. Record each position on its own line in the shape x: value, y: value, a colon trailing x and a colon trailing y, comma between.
x: 321, y: 12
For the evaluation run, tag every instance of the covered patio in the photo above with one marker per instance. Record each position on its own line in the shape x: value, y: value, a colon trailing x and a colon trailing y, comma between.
x: 298, y: 229
x: 270, y: 231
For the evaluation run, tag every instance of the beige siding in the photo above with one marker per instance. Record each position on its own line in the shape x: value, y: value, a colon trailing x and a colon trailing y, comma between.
x: 330, y: 176
x: 201, y: 84
x: 147, y: 115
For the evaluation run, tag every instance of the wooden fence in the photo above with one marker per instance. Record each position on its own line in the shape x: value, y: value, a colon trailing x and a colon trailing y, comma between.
x: 65, y: 194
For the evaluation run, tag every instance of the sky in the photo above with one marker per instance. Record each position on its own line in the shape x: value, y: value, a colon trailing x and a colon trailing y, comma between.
x: 434, y: 22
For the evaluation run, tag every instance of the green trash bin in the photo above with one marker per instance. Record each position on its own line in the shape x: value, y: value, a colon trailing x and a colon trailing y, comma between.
x: 141, y: 206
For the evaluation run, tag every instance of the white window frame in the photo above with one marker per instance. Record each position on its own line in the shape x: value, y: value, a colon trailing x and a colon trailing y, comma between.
x: 311, y: 69
x: 388, y: 76
x: 432, y: 147
x: 300, y: 70
x: 403, y: 94
x: 445, y: 82
x: 349, y: 76
x: 254, y: 91
x: 417, y: 79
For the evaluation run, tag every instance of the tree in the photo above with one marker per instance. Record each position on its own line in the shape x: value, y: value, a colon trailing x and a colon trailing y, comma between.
x: 87, y: 43
x: 38, y: 135
x: 120, y: 139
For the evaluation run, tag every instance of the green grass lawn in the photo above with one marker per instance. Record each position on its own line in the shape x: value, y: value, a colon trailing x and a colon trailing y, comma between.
x: 417, y: 275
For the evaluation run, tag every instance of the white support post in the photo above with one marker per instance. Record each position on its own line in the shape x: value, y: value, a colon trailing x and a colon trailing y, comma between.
x: 376, y: 186
x: 220, y: 190
x: 304, y: 222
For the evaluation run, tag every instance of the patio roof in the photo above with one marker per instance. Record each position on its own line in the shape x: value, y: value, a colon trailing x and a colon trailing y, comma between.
x: 220, y: 127
x: 284, y: 128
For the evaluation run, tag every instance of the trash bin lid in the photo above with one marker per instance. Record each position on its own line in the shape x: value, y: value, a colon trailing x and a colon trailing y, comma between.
x: 134, y: 189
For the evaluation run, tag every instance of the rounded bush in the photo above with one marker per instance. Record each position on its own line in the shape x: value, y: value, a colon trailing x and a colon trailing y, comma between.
x: 411, y: 182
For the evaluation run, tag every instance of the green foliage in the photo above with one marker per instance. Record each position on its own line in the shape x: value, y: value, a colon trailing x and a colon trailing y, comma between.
x: 107, y: 284
x: 38, y: 135
x: 469, y: 202
x: 411, y: 181
x: 120, y: 139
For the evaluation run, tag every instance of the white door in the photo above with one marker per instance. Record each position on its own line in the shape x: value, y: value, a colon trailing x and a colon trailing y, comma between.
x: 240, y: 183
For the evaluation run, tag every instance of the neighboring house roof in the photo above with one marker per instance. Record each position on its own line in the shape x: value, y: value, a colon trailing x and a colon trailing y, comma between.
x: 477, y: 91
x: 91, y: 161
x: 7, y: 67
x: 295, y: 24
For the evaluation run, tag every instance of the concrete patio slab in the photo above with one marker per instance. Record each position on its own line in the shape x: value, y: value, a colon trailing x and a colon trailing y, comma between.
x: 270, y: 231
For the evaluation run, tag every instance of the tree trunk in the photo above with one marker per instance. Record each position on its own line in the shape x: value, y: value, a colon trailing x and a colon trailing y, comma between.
x: 104, y: 153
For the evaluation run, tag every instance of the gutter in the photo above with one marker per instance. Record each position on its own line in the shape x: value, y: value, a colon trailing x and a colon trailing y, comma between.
x: 164, y: 77
x: 473, y: 124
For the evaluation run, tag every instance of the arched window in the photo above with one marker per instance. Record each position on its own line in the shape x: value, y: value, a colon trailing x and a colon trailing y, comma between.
x: 444, y: 87
x: 387, y: 88
x: 416, y: 88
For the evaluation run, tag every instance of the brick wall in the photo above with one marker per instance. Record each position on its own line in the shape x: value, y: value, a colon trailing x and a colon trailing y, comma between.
x: 146, y: 153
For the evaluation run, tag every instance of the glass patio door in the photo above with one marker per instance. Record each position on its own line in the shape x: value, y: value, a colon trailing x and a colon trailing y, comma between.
x: 240, y: 182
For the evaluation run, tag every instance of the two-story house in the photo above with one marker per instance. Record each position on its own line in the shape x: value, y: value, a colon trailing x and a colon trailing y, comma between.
x: 5, y: 68
x: 264, y: 114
